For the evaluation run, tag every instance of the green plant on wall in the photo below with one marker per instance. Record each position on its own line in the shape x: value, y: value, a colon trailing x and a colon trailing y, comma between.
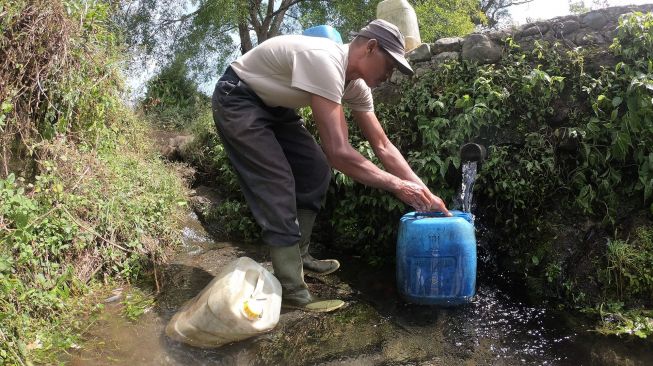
x: 617, y: 139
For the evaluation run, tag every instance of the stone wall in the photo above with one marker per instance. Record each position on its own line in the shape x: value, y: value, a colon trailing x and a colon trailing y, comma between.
x: 596, y: 28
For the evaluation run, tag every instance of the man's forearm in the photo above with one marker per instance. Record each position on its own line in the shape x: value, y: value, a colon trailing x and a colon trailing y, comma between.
x: 360, y: 169
x: 394, y: 162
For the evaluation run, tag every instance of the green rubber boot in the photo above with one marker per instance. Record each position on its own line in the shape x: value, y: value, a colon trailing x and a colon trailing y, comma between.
x: 306, y: 219
x: 287, y: 265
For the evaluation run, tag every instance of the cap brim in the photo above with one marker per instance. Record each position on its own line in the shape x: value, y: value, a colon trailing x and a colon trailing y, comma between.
x: 402, y: 63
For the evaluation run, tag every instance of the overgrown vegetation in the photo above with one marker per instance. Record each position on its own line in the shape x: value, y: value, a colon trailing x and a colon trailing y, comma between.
x: 438, y: 19
x: 83, y: 195
x: 172, y: 99
x: 566, y: 192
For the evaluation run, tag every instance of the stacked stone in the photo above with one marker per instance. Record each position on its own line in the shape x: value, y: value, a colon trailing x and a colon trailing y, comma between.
x: 595, y: 28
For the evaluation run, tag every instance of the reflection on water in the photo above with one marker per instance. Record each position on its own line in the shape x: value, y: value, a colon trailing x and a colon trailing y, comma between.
x: 498, y: 328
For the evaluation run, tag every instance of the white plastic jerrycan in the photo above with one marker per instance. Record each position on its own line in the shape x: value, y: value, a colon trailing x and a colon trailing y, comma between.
x: 401, y: 14
x: 242, y: 301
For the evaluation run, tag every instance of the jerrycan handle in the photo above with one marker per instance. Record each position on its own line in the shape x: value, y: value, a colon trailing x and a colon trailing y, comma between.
x: 429, y: 214
x: 259, y: 286
x: 455, y: 213
x: 252, y: 308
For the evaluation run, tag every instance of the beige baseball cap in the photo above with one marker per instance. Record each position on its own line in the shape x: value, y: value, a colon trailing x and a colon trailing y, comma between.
x: 390, y: 39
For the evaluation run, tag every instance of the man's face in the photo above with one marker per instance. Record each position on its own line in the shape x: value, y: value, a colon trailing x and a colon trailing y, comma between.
x: 379, y: 66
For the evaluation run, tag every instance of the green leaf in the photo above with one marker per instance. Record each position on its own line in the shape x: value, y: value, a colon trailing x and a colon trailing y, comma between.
x: 6, y: 107
x: 648, y: 189
x: 633, y: 103
x: 616, y: 101
x: 5, y: 264
x: 614, y: 115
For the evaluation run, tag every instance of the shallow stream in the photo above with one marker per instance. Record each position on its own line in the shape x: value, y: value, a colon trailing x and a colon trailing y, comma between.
x: 500, y: 327
x: 374, y: 328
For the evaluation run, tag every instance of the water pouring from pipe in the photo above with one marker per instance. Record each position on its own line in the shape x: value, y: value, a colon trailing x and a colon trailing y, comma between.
x: 471, y: 156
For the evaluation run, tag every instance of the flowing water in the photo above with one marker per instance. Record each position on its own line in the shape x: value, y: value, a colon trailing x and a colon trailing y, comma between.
x: 469, y: 177
x: 500, y: 327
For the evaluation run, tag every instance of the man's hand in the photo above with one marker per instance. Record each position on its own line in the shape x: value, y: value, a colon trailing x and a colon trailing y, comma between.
x: 420, y: 198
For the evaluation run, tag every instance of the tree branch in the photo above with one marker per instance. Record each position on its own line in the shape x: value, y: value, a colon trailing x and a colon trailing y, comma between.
x: 286, y: 4
x: 254, y: 6
x: 501, y: 4
x: 245, y: 39
x: 183, y: 18
x: 278, y: 15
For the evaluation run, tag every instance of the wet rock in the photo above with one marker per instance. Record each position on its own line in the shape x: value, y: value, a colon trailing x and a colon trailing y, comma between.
x: 535, y: 29
x: 480, y: 48
x: 500, y: 36
x: 420, y: 54
x: 206, y: 193
x: 602, y: 59
x: 451, y: 44
x: 386, y: 93
x: 586, y: 38
x: 595, y: 20
x: 560, y: 114
x: 566, y: 28
x: 117, y: 295
x: 446, y: 56
x: 421, y: 71
x: 204, y: 198
x: 397, y: 77
x: 174, y: 149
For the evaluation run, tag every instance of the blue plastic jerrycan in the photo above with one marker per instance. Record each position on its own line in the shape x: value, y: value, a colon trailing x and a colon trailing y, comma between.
x: 325, y: 31
x: 436, y: 258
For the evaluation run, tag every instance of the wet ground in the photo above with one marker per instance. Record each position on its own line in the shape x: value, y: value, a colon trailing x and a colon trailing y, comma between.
x: 374, y: 328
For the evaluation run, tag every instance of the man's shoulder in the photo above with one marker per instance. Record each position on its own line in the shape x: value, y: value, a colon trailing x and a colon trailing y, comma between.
x: 358, y: 86
x: 301, y: 43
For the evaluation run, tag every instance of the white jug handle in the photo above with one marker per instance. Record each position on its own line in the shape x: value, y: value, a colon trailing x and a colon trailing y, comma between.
x: 259, y: 285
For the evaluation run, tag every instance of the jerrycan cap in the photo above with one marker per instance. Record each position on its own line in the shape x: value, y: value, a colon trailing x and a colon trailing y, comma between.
x: 252, y: 309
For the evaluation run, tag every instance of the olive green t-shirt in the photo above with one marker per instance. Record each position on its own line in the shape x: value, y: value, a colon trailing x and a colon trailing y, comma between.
x: 284, y: 71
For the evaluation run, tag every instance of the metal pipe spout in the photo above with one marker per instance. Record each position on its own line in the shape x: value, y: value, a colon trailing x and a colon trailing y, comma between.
x: 473, y: 152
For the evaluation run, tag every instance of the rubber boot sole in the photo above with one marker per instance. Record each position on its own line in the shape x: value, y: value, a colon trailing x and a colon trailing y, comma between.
x: 329, y: 271
x: 319, y: 306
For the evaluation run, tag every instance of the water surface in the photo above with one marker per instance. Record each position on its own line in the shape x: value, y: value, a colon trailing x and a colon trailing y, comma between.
x: 375, y: 327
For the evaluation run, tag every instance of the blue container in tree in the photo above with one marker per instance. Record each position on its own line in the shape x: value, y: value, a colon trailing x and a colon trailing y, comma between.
x: 325, y: 31
x: 436, y: 258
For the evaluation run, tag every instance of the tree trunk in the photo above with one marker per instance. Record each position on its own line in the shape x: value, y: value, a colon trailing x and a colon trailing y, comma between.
x: 245, y: 39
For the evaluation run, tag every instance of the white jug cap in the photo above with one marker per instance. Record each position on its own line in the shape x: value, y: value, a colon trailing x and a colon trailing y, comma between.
x: 252, y: 310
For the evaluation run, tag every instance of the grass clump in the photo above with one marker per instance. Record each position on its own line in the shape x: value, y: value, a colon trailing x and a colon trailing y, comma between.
x: 110, y: 212
x: 84, y: 197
